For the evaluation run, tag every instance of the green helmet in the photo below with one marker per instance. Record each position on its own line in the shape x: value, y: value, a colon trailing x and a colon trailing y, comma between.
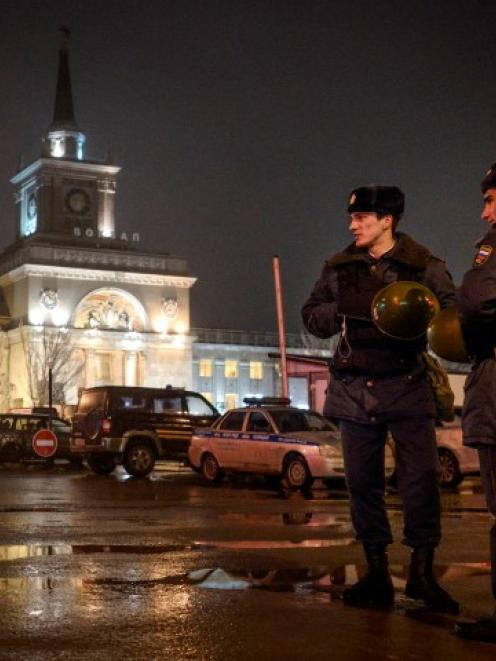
x: 445, y: 336
x: 404, y: 309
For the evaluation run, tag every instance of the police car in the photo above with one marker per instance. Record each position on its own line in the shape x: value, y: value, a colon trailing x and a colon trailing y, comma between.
x: 269, y: 437
x: 455, y: 459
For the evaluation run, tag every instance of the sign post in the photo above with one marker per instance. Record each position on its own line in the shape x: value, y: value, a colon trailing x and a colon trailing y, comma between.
x: 45, y: 443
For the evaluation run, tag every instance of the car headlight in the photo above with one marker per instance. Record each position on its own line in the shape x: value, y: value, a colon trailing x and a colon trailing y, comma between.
x: 326, y: 450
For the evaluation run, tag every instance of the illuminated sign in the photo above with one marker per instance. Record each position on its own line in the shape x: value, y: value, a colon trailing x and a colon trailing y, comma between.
x: 90, y: 233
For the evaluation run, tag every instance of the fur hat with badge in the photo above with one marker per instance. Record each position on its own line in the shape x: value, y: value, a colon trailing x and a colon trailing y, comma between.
x: 382, y: 200
x: 489, y: 180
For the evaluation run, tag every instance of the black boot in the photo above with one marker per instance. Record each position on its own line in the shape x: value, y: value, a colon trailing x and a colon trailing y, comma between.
x: 482, y: 630
x: 421, y: 583
x: 375, y: 589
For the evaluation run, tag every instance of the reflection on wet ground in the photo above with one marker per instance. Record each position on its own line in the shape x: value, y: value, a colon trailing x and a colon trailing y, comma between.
x: 13, y: 552
x: 275, y: 544
x: 310, y: 519
x: 325, y: 579
x: 321, y: 579
x: 23, y: 551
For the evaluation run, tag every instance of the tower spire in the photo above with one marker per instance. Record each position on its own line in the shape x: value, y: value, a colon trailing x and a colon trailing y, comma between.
x: 63, y: 112
x: 64, y: 139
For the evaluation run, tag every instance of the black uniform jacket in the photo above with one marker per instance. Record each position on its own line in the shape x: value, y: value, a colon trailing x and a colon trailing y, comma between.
x: 386, y: 381
x: 477, y: 304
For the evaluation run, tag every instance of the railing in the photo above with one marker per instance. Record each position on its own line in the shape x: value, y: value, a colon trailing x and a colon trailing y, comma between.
x: 256, y: 338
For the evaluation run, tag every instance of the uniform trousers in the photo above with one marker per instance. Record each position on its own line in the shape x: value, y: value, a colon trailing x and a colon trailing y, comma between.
x: 487, y: 458
x: 417, y: 469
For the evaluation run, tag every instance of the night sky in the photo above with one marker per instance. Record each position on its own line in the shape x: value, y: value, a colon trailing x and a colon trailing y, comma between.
x: 241, y: 127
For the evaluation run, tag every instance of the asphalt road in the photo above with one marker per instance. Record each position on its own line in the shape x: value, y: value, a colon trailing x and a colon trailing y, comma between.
x: 167, y: 567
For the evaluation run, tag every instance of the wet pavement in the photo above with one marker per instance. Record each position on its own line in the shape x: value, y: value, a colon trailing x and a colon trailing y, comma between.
x: 167, y: 567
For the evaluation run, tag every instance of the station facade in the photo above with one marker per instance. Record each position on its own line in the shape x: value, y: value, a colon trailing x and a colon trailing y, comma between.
x: 85, y: 300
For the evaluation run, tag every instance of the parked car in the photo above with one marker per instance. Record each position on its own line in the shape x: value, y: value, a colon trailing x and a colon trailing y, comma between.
x: 455, y: 459
x: 16, y: 437
x: 269, y: 437
x: 136, y: 426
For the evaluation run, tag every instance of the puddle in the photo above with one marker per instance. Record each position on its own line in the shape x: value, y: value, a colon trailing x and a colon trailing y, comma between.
x: 22, y: 551
x: 13, y: 552
x: 321, y: 579
x: 35, y: 508
x: 31, y: 583
x: 274, y: 544
x: 310, y: 519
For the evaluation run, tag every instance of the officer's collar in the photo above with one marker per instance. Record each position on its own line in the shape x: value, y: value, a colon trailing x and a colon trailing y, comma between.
x: 489, y: 235
x: 405, y: 251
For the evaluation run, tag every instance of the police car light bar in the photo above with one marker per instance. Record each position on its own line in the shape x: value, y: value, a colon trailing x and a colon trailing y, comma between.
x: 267, y: 401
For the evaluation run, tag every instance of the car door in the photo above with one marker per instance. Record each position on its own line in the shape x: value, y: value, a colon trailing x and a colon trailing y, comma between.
x: 168, y: 417
x: 227, y: 442
x: 201, y: 413
x: 261, y: 447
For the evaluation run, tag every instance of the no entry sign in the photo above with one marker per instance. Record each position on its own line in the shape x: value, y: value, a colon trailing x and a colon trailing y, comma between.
x: 45, y: 443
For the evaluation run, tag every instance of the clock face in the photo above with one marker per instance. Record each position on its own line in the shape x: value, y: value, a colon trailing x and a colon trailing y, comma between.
x: 77, y: 201
x: 32, y: 207
x: 31, y: 216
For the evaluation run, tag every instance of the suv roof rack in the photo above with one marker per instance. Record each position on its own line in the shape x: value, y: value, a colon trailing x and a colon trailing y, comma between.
x: 267, y: 401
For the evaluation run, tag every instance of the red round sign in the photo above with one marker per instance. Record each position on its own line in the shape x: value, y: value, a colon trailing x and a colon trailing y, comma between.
x: 45, y: 443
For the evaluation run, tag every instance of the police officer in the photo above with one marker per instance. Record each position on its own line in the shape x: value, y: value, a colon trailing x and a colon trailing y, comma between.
x: 378, y: 384
x: 477, y: 305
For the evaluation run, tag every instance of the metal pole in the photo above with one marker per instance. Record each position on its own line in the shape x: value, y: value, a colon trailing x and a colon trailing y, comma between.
x: 50, y: 389
x: 280, y: 325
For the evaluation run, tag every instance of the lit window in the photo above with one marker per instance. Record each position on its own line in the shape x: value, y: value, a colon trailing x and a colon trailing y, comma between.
x: 256, y: 370
x: 208, y: 396
x: 205, y: 367
x: 230, y: 400
x: 58, y: 147
x: 231, y: 369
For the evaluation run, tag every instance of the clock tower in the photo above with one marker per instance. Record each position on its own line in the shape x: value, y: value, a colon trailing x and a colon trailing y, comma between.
x: 94, y: 306
x: 62, y: 193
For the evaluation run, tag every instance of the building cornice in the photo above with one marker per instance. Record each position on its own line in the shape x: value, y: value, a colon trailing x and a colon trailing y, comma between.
x: 64, y: 166
x: 93, y: 275
x: 108, y: 263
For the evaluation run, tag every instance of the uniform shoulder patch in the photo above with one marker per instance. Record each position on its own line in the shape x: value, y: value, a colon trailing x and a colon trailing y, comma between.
x: 483, y: 255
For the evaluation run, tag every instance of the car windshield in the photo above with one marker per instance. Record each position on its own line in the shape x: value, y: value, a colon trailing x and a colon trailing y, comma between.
x: 294, y: 421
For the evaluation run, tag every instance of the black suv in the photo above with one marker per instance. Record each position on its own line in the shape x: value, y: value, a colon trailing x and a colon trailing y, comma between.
x: 136, y: 426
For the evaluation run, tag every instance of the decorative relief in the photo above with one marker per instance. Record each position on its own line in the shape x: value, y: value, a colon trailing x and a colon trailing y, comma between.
x: 169, y: 307
x: 49, y: 298
x: 109, y: 309
x: 108, y: 315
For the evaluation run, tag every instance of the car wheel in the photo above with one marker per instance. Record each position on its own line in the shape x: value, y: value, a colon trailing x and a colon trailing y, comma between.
x: 450, y: 475
x: 100, y: 464
x: 296, y: 473
x: 210, y: 468
x: 139, y: 459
